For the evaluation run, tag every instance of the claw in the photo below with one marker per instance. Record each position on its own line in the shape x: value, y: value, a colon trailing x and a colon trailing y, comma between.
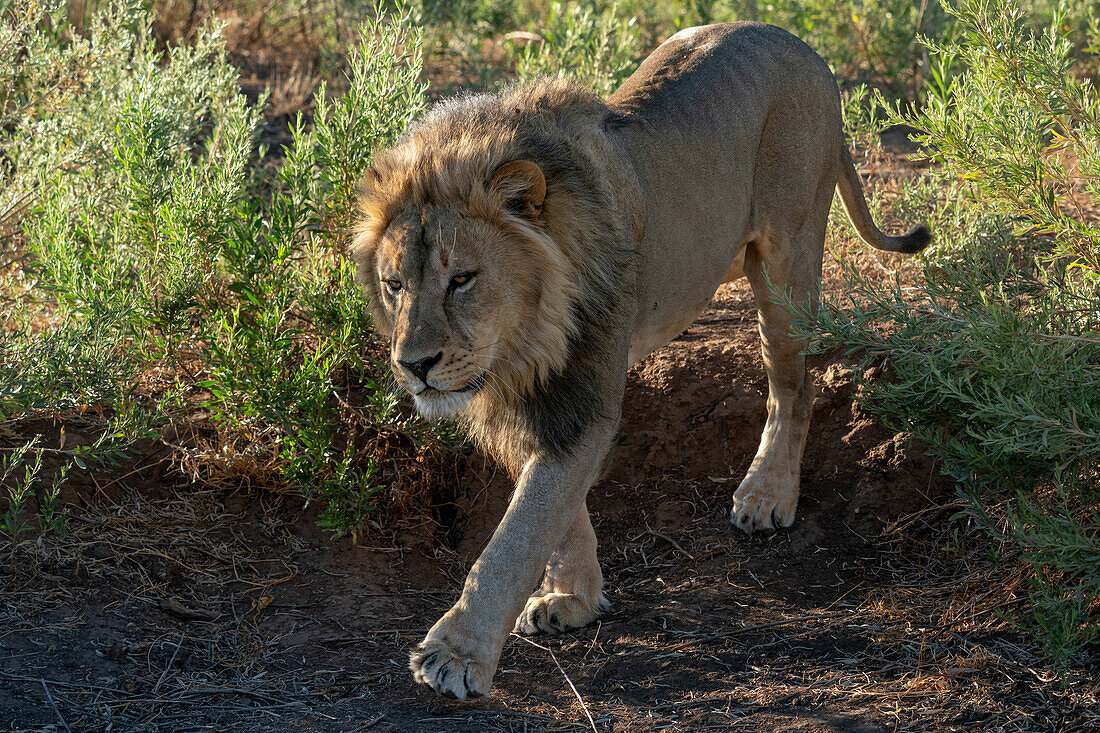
x: 470, y: 677
x: 466, y: 683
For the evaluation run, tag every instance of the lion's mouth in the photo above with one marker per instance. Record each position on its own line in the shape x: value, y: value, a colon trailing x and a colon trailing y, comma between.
x: 433, y: 403
x: 474, y: 385
x: 477, y: 383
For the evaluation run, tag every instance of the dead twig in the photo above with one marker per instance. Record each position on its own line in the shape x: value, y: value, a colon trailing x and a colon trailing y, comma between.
x: 371, y: 723
x: 160, y: 680
x: 54, y: 706
x: 670, y: 541
x: 755, y: 627
x: 177, y: 609
x: 549, y: 651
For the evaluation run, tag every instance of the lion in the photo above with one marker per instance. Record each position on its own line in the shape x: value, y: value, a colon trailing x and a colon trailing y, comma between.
x: 523, y: 249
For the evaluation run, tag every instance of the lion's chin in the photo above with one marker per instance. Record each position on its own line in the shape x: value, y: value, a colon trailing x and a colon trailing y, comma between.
x: 434, y: 404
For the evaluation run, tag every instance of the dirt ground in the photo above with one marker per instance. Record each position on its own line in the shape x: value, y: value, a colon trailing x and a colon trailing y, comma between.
x: 171, y: 608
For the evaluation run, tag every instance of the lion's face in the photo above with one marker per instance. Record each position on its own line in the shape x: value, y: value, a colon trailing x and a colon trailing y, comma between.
x: 466, y: 278
x: 443, y: 281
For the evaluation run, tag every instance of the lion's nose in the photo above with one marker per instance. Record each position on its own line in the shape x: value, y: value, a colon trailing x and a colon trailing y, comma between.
x: 421, y: 367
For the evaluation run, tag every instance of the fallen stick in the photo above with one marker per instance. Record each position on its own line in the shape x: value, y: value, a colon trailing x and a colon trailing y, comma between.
x: 563, y: 674
x: 54, y: 706
x: 755, y: 627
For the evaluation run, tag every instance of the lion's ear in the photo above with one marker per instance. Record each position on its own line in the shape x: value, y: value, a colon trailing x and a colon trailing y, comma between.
x: 369, y: 182
x: 522, y: 186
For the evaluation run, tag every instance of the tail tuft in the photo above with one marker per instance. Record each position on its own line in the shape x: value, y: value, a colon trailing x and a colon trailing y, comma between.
x: 851, y: 195
x: 917, y: 238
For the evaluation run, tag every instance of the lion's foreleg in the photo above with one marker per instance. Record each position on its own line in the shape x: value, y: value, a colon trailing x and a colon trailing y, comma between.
x: 460, y: 654
x: 571, y: 592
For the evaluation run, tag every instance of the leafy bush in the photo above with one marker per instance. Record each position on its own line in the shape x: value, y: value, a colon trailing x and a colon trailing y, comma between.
x: 998, y: 362
x: 161, y: 277
x: 870, y: 40
x: 597, y: 48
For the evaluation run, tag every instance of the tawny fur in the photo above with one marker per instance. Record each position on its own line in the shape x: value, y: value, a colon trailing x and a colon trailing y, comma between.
x: 573, y: 261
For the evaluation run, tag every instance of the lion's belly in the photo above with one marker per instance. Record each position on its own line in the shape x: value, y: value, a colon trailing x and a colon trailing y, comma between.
x: 665, y: 314
x: 654, y: 336
x: 697, y: 224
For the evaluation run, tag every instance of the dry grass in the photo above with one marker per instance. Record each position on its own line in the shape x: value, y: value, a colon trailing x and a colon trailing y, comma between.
x: 175, y: 599
x: 178, y: 558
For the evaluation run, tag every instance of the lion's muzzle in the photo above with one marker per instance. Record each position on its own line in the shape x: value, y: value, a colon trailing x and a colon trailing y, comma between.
x: 421, y: 367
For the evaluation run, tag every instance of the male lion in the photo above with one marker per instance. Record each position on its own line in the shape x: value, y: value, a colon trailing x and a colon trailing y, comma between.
x: 523, y: 249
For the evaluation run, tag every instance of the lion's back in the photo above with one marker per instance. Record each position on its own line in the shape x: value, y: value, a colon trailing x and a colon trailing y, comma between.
x: 729, y: 127
x: 720, y: 69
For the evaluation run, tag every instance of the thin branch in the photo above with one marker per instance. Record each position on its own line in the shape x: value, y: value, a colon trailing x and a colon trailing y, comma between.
x: 54, y: 706
x: 156, y: 687
x: 584, y: 707
x: 758, y: 627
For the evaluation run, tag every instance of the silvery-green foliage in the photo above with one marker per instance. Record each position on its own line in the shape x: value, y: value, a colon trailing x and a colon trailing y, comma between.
x: 594, y: 45
x: 76, y: 99
x: 165, y: 270
x: 1020, y: 123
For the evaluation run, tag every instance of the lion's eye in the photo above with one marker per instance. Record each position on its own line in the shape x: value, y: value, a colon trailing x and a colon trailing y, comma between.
x: 462, y: 279
x: 393, y: 284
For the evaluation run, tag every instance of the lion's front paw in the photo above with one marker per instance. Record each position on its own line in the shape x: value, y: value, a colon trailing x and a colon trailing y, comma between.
x: 438, y: 665
x: 759, y: 503
x: 554, y: 613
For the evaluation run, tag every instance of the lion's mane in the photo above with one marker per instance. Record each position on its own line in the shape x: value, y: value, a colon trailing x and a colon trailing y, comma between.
x: 578, y: 250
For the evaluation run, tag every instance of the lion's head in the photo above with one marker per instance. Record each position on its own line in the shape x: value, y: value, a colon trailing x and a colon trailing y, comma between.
x: 490, y: 240
x: 472, y: 291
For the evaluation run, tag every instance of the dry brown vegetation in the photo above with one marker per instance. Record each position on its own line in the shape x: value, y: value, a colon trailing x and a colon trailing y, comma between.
x: 170, y: 607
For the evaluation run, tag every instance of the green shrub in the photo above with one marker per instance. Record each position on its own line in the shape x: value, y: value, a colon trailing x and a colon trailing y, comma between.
x: 597, y: 48
x: 165, y: 275
x: 868, y: 40
x: 19, y: 488
x: 997, y: 362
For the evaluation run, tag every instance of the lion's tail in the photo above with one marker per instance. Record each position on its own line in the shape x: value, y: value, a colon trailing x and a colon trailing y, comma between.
x: 851, y: 195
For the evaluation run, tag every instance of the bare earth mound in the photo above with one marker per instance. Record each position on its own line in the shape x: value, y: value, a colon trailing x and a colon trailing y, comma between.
x: 171, y: 608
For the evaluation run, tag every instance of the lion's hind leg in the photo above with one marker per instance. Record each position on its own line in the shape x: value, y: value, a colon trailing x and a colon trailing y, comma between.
x: 768, y: 495
x: 571, y: 593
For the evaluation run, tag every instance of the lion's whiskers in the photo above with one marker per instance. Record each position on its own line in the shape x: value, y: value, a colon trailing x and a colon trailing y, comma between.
x: 503, y: 382
x: 494, y: 388
x: 497, y: 378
